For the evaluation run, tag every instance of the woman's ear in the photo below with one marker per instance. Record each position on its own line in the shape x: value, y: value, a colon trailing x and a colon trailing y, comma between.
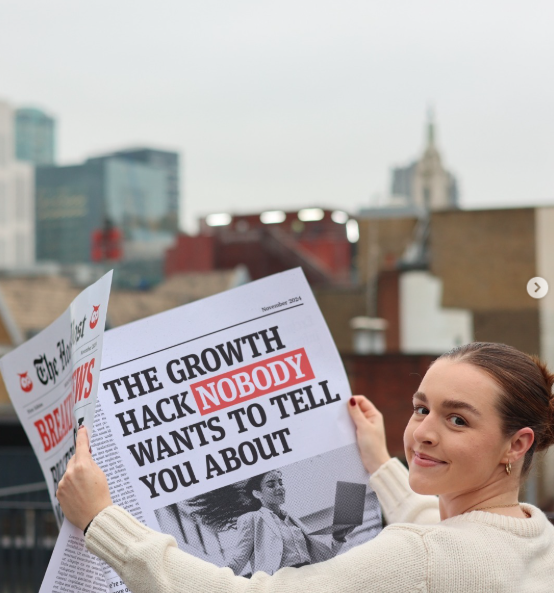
x: 257, y: 494
x: 520, y: 443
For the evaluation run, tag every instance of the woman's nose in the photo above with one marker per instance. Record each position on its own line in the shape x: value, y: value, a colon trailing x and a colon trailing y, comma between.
x: 426, y: 432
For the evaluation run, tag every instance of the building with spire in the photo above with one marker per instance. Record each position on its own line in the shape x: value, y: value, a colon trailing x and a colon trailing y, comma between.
x: 425, y: 184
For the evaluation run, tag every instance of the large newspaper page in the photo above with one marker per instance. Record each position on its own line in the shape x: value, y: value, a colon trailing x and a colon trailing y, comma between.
x: 52, y: 381
x: 221, y: 415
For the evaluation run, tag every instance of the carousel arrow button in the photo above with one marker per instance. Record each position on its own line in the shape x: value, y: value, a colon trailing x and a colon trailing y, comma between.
x: 537, y: 287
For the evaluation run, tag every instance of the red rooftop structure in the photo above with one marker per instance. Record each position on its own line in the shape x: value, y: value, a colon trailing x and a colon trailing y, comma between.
x: 318, y: 240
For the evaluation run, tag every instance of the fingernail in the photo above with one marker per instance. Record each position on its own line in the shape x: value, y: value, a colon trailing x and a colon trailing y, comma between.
x: 352, y: 401
x: 81, y: 426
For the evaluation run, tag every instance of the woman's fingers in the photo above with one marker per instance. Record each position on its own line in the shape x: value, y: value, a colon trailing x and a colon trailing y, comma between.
x: 370, y: 432
x: 82, y: 447
x: 83, y: 491
x: 355, y: 410
x: 366, y: 406
x: 361, y: 410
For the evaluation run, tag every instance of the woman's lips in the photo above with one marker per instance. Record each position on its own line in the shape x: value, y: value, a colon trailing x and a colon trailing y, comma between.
x: 426, y: 460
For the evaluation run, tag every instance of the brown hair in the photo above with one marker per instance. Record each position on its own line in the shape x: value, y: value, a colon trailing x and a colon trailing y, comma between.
x: 526, y: 398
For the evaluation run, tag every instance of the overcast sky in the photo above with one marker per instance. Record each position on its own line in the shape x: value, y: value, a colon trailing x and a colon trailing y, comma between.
x: 295, y: 103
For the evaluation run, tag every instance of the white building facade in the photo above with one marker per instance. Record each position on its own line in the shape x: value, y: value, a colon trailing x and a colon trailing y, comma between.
x: 17, y: 204
x: 425, y: 325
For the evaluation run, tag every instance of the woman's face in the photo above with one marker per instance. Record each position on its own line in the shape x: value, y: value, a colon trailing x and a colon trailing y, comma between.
x: 272, y: 491
x: 453, y: 441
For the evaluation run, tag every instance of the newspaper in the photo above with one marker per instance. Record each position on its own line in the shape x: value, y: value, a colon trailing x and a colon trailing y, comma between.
x: 224, y: 412
x: 52, y: 380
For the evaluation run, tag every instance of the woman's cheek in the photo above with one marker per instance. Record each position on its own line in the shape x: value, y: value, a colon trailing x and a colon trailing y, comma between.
x: 408, y: 438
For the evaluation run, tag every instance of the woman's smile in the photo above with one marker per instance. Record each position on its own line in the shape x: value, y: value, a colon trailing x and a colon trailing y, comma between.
x: 426, y: 460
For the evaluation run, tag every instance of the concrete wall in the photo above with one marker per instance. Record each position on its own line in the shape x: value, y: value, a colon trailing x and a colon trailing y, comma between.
x: 424, y: 325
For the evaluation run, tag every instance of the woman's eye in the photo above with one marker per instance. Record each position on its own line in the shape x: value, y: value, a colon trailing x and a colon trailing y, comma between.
x: 457, y: 421
x: 420, y: 410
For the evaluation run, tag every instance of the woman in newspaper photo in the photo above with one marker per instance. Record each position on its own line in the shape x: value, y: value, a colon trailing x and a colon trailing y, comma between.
x: 268, y: 537
x: 455, y: 524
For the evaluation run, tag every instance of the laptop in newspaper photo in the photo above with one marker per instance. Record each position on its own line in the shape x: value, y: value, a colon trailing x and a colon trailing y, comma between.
x: 349, y: 508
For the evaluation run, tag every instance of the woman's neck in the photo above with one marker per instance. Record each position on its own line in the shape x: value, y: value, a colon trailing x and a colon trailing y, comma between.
x: 494, y: 499
x: 275, y: 508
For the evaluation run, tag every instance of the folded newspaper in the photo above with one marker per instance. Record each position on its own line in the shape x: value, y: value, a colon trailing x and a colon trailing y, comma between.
x: 222, y: 418
x: 52, y: 380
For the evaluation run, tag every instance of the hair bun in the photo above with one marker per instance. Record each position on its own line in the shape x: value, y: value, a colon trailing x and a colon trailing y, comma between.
x: 548, y: 376
x: 548, y: 437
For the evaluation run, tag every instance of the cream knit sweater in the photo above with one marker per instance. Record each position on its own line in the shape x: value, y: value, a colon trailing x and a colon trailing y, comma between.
x: 478, y: 552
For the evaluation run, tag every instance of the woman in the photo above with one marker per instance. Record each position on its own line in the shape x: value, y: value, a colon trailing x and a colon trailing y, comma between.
x: 479, y: 415
x: 268, y: 537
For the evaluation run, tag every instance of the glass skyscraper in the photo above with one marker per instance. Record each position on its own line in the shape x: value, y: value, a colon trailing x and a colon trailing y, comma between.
x: 34, y: 136
x: 168, y: 163
x: 77, y: 204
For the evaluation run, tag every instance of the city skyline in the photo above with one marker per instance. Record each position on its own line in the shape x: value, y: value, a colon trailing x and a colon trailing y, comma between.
x: 297, y: 105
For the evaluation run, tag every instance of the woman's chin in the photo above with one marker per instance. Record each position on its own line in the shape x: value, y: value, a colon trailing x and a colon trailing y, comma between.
x: 422, y: 484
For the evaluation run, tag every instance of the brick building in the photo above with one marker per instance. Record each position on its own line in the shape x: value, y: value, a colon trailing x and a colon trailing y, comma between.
x: 267, y: 243
x: 481, y: 260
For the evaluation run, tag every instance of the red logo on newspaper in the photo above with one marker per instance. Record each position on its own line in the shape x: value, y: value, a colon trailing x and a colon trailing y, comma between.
x: 94, y: 317
x: 25, y: 382
x: 254, y: 380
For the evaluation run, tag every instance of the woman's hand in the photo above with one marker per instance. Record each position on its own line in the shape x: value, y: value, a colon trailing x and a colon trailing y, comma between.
x: 370, y: 432
x: 83, y: 491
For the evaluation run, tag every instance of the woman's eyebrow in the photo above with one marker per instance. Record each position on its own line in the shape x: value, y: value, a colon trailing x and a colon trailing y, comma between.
x: 420, y: 395
x: 449, y: 404
x: 456, y: 404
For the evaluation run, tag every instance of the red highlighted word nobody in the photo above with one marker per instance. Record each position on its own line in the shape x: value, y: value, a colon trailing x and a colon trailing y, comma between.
x: 254, y: 380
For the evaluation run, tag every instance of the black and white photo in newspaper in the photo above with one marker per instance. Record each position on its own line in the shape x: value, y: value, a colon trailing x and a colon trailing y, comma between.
x: 228, y: 420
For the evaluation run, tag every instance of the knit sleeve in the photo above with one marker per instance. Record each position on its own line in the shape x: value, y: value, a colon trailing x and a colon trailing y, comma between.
x: 147, y: 561
x: 399, y: 502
